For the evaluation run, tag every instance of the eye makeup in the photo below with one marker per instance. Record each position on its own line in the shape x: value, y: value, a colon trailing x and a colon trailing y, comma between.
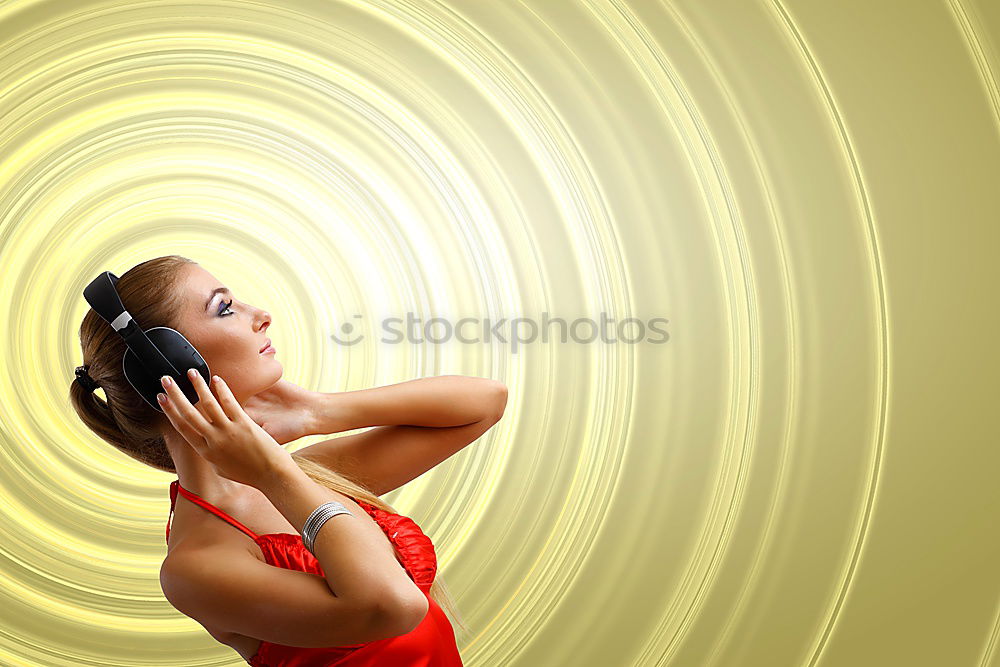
x: 225, y: 307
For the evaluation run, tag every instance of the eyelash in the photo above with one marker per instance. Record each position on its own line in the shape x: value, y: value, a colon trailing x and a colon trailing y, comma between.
x: 227, y: 305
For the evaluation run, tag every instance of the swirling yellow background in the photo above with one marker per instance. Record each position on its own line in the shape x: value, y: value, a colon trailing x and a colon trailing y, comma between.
x: 803, y: 474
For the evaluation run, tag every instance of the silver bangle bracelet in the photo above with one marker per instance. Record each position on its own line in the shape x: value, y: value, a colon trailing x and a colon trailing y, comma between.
x: 319, y: 516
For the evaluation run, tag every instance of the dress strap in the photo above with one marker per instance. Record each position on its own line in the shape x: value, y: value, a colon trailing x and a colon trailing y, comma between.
x: 175, y: 486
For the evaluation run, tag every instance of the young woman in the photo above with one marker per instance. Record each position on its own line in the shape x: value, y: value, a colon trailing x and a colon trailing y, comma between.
x: 366, y: 593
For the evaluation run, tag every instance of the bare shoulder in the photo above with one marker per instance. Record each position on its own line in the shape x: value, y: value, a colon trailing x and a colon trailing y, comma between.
x: 205, y: 558
x: 216, y: 543
x: 198, y: 543
x: 232, y: 593
x: 186, y: 562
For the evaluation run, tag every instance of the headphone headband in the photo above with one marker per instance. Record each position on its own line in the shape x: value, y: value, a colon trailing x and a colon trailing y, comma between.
x: 152, y: 353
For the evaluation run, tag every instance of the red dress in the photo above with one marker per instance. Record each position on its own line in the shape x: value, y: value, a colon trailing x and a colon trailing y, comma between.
x: 430, y: 644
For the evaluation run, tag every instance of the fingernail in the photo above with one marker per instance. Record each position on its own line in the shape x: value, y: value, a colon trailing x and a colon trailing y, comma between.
x: 166, y: 380
x: 162, y: 398
x: 217, y: 379
x: 192, y: 373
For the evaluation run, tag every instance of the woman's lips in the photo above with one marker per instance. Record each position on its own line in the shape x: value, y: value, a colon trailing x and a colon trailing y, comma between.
x: 269, y: 349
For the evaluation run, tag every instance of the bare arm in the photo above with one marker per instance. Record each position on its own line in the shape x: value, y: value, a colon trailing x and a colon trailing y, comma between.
x: 233, y: 591
x: 366, y: 595
x: 355, y: 563
x: 415, y: 434
x: 439, y: 401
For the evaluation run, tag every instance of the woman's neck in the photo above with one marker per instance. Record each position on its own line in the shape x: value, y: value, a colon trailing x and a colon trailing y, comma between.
x: 199, y: 476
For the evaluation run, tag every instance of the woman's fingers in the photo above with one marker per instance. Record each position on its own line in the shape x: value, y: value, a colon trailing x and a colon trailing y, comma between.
x: 230, y: 405
x: 206, y: 400
x: 183, y: 408
x: 192, y: 436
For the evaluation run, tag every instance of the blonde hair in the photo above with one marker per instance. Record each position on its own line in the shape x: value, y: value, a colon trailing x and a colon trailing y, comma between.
x: 124, y: 420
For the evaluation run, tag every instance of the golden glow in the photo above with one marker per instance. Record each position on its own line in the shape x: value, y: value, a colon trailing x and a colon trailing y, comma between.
x: 799, y: 476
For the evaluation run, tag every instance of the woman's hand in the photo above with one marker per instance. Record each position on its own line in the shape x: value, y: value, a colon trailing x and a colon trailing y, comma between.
x: 221, y: 432
x: 284, y: 410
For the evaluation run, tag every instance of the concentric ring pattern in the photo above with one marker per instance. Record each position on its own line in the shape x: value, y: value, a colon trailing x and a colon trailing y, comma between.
x: 781, y: 217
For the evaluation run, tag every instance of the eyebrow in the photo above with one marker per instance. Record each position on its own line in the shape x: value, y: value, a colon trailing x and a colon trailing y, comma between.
x: 211, y: 296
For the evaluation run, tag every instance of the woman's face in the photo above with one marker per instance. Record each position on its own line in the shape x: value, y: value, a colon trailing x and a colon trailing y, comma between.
x: 228, y: 333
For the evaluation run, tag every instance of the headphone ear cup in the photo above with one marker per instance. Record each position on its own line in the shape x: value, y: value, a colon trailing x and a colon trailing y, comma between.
x: 178, y: 352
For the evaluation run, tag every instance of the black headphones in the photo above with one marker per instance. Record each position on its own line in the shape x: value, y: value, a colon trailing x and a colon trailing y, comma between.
x: 151, y: 354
